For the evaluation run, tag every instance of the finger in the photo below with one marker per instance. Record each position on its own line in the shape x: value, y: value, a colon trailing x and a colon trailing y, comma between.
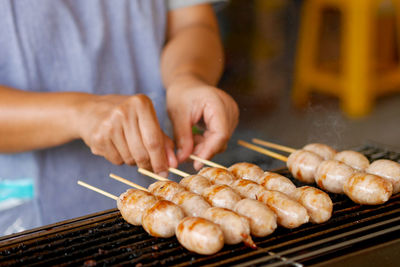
x: 121, y: 145
x: 153, y: 139
x: 197, y: 165
x: 112, y: 154
x: 215, y: 138
x: 182, y: 134
x: 218, y: 131
x: 209, y: 147
x: 169, y: 148
x: 102, y: 145
x: 135, y: 142
x: 232, y: 106
x: 197, y: 138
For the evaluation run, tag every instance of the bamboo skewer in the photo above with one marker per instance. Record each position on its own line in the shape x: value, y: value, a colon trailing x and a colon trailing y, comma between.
x: 272, y: 145
x: 178, y: 172
x: 123, y: 180
x: 210, y: 163
x: 97, y: 190
x: 262, y: 150
x: 152, y: 175
x: 206, y: 162
x: 148, y: 173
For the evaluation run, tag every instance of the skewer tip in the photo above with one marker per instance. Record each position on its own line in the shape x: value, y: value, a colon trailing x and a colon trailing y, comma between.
x: 98, y: 190
x: 262, y: 150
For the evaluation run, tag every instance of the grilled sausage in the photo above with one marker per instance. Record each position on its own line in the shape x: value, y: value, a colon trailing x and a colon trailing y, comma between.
x: 369, y: 189
x: 133, y: 203
x: 317, y: 203
x: 192, y: 204
x: 303, y: 165
x: 161, y: 219
x: 277, y: 182
x: 270, y: 180
x: 262, y: 219
x: 322, y: 150
x: 290, y: 213
x: 221, y: 196
x: 235, y: 227
x: 244, y: 170
x: 200, y: 235
x: 387, y: 169
x: 165, y: 189
x: 354, y: 159
x: 332, y: 174
x: 195, y: 183
x: 247, y: 188
x: 217, y: 175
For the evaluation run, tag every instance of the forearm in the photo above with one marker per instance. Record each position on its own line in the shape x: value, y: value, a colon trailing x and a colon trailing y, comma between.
x: 193, y: 51
x: 31, y: 120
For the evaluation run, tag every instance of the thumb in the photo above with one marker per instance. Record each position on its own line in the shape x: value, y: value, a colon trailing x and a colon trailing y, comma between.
x: 183, y: 136
x: 169, y: 148
x: 213, y: 144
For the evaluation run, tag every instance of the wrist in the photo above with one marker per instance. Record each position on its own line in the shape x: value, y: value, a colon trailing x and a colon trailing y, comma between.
x: 78, y: 106
x: 186, y: 80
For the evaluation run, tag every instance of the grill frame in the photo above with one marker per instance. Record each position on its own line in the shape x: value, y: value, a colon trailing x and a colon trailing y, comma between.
x: 104, y: 238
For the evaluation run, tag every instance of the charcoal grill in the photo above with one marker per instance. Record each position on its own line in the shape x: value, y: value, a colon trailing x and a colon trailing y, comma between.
x: 353, y: 232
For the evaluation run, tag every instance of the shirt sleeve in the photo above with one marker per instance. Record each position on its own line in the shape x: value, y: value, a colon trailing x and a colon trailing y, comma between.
x: 174, y: 4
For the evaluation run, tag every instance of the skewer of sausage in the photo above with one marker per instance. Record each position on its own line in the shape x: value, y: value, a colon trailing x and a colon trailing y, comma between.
x: 361, y: 187
x: 322, y: 150
x: 250, y: 177
x: 352, y: 158
x: 235, y: 228
x: 163, y: 218
x: 290, y: 214
x: 322, y: 164
x: 385, y: 168
x: 217, y: 195
x: 318, y: 204
x: 261, y: 219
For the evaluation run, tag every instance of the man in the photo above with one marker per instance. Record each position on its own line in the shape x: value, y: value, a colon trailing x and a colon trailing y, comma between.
x: 85, y: 78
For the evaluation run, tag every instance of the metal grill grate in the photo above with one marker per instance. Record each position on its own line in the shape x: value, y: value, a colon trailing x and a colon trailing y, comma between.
x: 106, y: 239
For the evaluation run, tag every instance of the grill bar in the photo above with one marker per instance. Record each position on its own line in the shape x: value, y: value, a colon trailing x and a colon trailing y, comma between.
x: 106, y: 239
x: 295, y: 243
x: 343, y: 244
x: 327, y: 240
x: 57, y: 227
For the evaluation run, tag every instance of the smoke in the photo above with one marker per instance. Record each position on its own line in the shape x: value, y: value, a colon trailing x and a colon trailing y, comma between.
x: 327, y: 125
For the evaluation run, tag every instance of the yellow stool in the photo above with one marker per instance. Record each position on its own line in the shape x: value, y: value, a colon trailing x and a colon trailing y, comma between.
x: 356, y: 84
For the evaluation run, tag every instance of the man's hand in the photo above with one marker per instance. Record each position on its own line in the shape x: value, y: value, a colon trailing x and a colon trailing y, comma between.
x: 125, y: 129
x: 190, y: 101
x: 191, y: 65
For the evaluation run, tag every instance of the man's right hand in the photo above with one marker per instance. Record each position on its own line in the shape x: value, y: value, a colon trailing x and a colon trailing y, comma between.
x: 125, y: 129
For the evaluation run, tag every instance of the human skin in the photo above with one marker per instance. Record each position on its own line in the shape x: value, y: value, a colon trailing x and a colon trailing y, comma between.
x: 191, y: 65
x: 124, y: 129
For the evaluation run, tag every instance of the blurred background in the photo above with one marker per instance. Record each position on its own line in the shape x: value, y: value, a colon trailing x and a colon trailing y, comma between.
x: 312, y: 71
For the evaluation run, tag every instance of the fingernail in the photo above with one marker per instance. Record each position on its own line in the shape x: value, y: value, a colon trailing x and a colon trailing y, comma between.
x: 163, y: 174
x: 196, y: 150
x: 197, y: 165
x: 172, y: 161
x: 179, y: 154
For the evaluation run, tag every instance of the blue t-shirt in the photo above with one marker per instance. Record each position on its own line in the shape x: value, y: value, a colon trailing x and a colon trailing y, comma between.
x: 92, y: 46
